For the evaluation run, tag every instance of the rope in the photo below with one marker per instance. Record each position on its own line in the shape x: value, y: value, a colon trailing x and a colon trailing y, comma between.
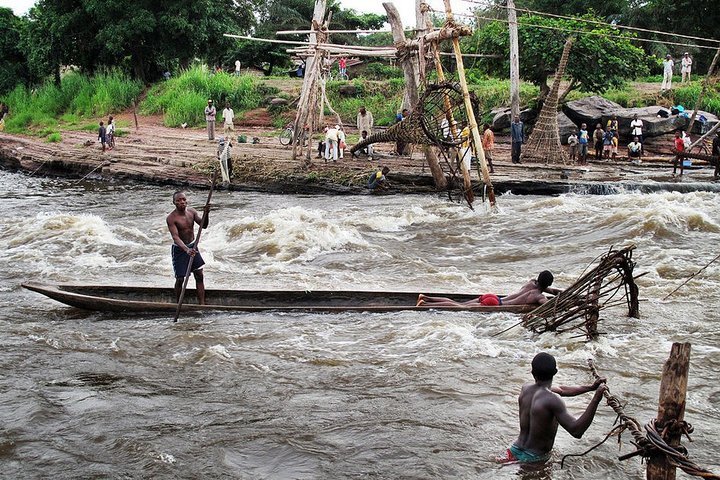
x: 691, y: 277
x: 651, y: 443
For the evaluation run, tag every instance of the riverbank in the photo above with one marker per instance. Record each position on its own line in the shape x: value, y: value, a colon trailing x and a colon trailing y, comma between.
x: 160, y: 155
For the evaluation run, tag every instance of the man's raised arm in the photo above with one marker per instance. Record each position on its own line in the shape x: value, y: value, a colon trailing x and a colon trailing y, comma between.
x: 577, y: 427
x: 567, y: 391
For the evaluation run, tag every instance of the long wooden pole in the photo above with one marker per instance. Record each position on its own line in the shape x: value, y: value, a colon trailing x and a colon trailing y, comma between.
x: 671, y: 408
x: 514, y: 60
x: 706, y: 82
x: 206, y: 210
x: 477, y: 142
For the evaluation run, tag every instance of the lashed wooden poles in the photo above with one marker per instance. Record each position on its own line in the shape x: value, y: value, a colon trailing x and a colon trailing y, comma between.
x: 411, y: 70
x: 477, y: 142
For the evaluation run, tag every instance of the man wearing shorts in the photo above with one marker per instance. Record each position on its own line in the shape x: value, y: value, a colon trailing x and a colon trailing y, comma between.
x: 541, y: 411
x: 532, y: 293
x: 181, y: 223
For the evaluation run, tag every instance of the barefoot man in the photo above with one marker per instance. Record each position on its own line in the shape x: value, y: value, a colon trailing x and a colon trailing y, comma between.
x: 181, y: 223
x: 541, y: 410
x: 530, y: 294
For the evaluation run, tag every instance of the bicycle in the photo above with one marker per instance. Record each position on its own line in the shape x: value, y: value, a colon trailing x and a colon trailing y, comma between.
x: 287, y: 135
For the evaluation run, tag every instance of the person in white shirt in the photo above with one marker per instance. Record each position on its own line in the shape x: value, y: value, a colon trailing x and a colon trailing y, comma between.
x: 686, y: 67
x: 668, y: 66
x: 636, y: 127
x: 635, y: 150
x: 228, y: 116
x: 365, y: 121
x: 331, y: 144
x: 237, y: 68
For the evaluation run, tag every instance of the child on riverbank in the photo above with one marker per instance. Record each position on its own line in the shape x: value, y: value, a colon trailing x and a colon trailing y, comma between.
x: 102, y: 135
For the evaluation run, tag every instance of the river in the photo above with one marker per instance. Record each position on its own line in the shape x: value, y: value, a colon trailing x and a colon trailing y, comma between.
x: 416, y: 395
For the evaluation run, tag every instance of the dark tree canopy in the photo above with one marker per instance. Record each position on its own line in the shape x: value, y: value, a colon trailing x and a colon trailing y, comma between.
x: 13, y: 67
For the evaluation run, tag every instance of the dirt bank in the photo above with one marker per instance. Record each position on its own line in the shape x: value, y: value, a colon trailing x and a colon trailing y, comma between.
x: 157, y: 154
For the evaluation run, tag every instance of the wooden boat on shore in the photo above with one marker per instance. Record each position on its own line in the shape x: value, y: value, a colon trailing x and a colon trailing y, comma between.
x: 123, y: 299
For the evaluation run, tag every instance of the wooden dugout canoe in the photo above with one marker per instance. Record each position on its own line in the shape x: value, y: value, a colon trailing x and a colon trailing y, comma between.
x: 122, y: 299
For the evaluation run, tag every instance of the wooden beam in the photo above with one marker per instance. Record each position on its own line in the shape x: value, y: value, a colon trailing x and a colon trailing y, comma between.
x: 671, y: 408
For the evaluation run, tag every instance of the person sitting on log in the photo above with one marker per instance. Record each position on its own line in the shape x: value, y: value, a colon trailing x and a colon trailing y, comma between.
x: 541, y: 410
x: 532, y: 293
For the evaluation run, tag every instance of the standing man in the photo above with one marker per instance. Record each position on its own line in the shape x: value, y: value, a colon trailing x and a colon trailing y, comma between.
x: 686, y: 67
x: 210, y: 113
x: 181, y: 223
x: 636, y: 128
x: 668, y: 66
x: 679, y: 147
x: 342, y: 65
x: 237, y: 68
x: 365, y: 120
x: 228, y: 116
x: 517, y: 138
x: 598, y: 136
x: 331, y: 144
x: 583, y: 139
x: 541, y: 410
x: 488, y: 144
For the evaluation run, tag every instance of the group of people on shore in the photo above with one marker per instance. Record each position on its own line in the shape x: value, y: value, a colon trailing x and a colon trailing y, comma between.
x: 605, y: 141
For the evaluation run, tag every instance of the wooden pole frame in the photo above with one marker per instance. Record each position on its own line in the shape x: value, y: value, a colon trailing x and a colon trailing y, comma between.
x: 477, y: 142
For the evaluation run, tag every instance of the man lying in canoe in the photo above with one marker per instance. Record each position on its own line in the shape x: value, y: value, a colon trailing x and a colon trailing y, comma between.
x: 181, y: 223
x: 530, y: 294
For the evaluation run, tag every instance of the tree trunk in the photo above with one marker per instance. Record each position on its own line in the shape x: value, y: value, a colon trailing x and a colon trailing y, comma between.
x: 671, y: 408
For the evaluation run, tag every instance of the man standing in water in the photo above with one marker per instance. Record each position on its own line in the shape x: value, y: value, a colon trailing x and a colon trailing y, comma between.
x: 541, y: 410
x: 181, y: 223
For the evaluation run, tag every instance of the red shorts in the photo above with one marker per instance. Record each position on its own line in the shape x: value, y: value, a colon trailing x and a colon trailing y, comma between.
x: 490, y: 300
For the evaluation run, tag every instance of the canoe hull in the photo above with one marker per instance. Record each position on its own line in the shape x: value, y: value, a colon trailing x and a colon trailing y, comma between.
x: 135, y: 299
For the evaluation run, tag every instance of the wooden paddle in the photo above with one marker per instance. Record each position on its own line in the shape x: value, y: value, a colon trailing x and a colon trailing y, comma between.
x: 206, y: 210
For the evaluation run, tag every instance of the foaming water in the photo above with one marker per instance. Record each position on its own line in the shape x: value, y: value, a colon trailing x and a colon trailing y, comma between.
x: 394, y: 395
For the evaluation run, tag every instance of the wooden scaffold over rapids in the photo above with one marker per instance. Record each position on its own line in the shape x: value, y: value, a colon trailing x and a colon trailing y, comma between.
x: 610, y: 283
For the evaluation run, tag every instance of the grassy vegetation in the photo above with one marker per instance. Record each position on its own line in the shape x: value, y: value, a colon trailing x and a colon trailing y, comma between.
x: 183, y: 99
x: 77, y: 97
x: 79, y: 101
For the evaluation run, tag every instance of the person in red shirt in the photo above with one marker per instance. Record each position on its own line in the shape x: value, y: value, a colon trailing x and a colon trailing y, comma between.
x: 678, y: 149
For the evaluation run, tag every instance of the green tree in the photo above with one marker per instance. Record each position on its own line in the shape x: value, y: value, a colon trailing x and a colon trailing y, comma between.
x: 13, y: 63
x: 596, y: 62
x: 695, y: 18
x: 143, y: 36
